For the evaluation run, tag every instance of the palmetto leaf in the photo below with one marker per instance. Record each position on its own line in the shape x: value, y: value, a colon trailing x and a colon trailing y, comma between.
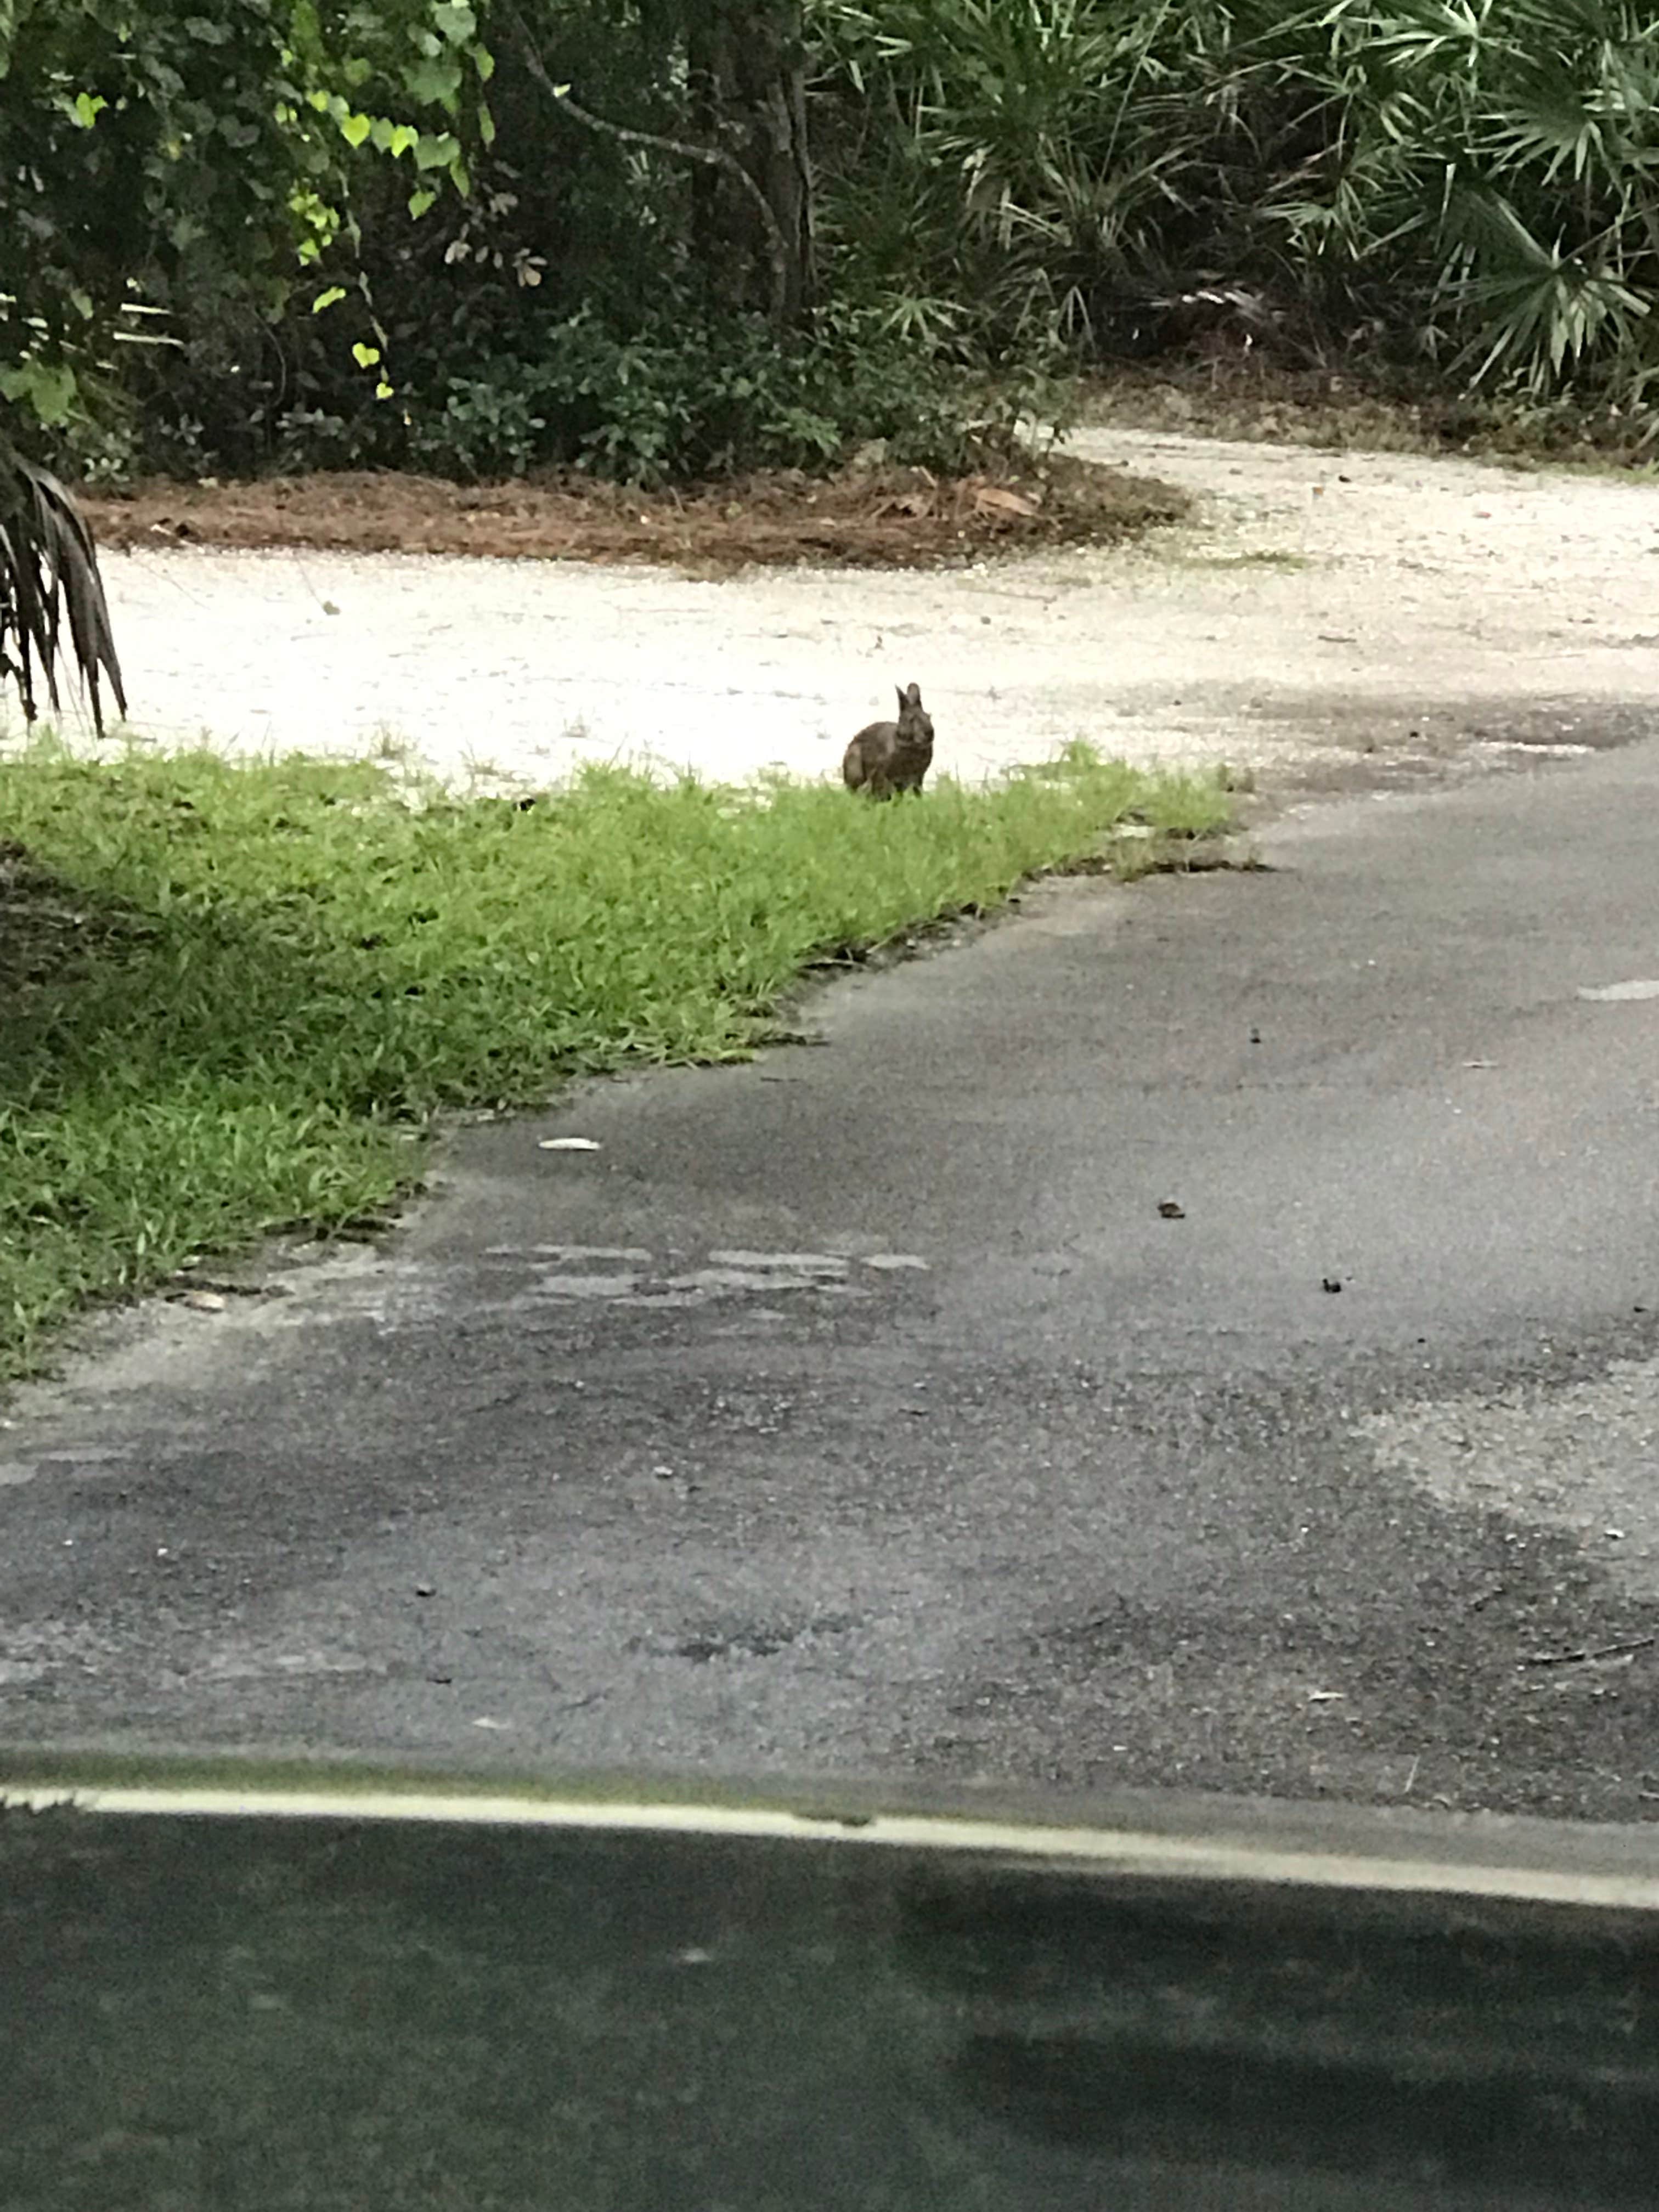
x: 49, y: 577
x: 1535, y: 308
x: 1475, y: 180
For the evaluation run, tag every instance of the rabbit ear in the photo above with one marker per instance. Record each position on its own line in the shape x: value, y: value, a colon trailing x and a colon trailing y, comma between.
x: 909, y: 695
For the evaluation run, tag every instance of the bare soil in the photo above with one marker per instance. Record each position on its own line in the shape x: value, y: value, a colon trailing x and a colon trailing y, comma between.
x: 863, y: 519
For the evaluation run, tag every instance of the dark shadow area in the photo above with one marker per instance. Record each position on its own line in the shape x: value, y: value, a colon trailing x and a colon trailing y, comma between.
x: 50, y: 932
x: 1406, y: 2041
x: 323, y: 2014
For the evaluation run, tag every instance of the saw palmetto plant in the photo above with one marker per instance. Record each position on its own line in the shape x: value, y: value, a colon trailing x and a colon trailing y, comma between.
x: 1471, y: 179
x: 1504, y: 156
x: 53, y: 610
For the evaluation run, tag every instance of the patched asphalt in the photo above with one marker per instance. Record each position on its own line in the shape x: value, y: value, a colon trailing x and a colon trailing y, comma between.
x: 1205, y: 1332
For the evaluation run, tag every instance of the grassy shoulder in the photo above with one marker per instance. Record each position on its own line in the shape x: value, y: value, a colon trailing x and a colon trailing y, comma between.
x: 236, y: 998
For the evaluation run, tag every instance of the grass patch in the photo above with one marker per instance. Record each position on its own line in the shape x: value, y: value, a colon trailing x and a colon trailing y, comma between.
x: 236, y: 997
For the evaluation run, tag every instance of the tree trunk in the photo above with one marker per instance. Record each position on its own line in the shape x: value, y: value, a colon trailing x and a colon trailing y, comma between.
x: 748, y: 69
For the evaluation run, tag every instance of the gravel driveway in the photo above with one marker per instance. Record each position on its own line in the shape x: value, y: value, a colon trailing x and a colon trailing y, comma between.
x: 1326, y: 616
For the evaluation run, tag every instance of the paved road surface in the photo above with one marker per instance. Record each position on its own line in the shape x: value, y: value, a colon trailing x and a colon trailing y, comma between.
x: 861, y: 1411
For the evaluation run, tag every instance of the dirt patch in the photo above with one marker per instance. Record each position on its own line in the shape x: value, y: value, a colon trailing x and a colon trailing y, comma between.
x: 885, y: 518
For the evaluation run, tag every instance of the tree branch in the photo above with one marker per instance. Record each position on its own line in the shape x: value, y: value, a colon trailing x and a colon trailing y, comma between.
x: 713, y: 157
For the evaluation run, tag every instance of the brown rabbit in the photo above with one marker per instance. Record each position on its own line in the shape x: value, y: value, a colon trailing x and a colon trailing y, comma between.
x: 891, y: 756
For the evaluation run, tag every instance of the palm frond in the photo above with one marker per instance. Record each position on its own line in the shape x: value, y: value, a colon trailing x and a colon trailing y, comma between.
x: 49, y: 575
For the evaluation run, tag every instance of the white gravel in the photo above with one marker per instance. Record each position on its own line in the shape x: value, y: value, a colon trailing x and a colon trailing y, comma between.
x: 1323, y: 608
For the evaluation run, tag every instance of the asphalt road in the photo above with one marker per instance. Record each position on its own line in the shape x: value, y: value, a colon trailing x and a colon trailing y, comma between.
x: 860, y: 1411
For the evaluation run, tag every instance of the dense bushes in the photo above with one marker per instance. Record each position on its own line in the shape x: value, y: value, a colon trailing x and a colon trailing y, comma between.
x: 167, y: 173
x: 1447, y: 185
x: 1467, y: 184
x: 678, y: 396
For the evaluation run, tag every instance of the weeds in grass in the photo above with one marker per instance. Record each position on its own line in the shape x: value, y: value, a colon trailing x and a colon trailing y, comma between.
x: 230, y: 994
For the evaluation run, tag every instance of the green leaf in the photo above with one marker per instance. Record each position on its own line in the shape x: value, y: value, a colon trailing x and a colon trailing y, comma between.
x: 383, y: 390
x: 354, y: 129
x: 486, y: 125
x: 47, y: 387
x: 437, y: 152
x: 365, y: 356
x: 434, y: 83
x: 327, y: 299
x: 420, y: 202
x: 85, y: 107
x: 456, y: 21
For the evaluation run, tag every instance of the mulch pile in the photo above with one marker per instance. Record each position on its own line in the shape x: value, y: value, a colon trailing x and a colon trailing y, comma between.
x: 888, y: 518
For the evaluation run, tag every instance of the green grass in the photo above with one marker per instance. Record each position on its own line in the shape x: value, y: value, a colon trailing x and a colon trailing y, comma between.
x: 234, y: 998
